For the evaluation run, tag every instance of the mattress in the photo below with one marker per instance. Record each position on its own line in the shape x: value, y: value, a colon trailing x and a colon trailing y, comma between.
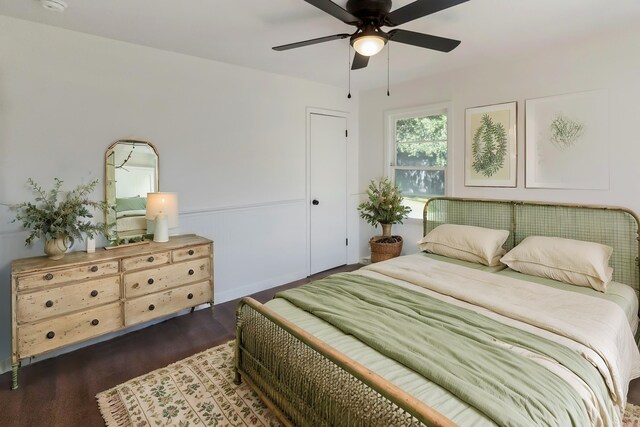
x: 413, y: 383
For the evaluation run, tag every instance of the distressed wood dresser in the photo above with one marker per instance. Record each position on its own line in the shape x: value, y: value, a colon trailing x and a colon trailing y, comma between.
x: 82, y: 296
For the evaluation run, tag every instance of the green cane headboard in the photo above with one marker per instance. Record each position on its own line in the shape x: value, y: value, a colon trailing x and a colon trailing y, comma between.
x: 613, y: 226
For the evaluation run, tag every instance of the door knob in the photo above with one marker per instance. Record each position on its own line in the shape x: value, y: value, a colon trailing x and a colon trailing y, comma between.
x: 315, y: 202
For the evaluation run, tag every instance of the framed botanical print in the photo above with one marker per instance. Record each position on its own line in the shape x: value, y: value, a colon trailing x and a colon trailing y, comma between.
x: 491, y: 146
x: 567, y: 141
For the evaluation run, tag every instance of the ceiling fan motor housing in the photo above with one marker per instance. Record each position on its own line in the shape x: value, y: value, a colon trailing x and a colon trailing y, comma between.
x: 370, y: 11
x: 369, y: 31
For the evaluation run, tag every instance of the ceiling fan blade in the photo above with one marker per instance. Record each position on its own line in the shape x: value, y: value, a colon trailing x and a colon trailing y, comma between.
x: 423, y: 40
x: 418, y: 9
x: 336, y: 11
x: 359, y: 61
x: 312, y: 41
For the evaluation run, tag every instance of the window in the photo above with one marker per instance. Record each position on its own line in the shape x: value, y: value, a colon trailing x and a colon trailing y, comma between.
x: 418, y: 153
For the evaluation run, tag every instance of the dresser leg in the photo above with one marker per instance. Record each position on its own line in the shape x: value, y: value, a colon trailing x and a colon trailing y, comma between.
x: 14, y: 375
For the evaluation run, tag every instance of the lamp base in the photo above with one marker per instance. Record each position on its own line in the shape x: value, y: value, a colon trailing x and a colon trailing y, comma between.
x: 161, y: 232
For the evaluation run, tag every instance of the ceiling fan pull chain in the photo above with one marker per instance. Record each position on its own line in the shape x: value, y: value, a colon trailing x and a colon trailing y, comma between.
x: 349, y: 67
x: 388, y: 61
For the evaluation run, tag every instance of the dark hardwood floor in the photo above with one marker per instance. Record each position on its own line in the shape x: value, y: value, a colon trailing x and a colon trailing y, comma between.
x: 61, y: 391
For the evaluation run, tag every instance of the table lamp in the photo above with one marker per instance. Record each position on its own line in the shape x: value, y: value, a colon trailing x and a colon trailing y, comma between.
x: 162, y: 208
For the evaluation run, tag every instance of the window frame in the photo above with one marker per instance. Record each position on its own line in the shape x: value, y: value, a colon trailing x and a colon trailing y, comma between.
x: 392, y: 116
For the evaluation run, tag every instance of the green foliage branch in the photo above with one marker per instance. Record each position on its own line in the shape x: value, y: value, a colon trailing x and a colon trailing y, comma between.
x: 489, y: 147
x: 565, y: 132
x: 58, y: 214
x: 384, y: 204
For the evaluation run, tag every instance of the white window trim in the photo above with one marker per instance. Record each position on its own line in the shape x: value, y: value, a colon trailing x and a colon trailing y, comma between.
x: 390, y: 118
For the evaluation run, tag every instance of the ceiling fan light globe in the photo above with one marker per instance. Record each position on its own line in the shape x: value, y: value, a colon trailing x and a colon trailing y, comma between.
x: 369, y: 45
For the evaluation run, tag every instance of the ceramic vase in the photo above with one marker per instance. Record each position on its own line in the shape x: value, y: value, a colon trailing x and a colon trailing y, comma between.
x: 55, y: 248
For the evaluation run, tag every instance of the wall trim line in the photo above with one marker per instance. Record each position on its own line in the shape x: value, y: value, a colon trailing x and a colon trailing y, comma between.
x: 203, y: 211
x: 231, y: 208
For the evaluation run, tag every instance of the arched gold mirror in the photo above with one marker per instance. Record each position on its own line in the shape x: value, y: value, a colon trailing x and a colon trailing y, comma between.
x: 131, y: 171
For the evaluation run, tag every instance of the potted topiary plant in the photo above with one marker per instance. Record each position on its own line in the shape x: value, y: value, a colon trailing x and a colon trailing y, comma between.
x: 384, y: 207
x: 60, y: 222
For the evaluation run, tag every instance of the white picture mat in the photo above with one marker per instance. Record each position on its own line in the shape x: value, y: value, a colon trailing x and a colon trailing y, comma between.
x: 512, y: 146
x: 585, y: 164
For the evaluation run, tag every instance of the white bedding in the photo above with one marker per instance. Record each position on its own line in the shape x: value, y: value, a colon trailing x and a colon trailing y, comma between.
x: 596, y: 328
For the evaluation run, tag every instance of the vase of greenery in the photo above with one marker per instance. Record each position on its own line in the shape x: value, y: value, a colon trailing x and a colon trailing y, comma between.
x: 384, y: 206
x: 60, y: 217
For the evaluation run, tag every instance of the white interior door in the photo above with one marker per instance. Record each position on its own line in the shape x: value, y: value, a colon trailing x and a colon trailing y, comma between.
x: 327, y: 192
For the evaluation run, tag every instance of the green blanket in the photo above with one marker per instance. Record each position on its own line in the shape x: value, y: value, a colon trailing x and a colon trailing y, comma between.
x: 457, y: 349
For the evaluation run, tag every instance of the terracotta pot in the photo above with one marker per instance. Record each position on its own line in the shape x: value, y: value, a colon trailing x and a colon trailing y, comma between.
x: 384, y: 251
x: 55, y: 248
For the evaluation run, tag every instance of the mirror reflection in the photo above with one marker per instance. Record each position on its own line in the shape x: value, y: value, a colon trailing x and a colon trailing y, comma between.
x: 131, y: 173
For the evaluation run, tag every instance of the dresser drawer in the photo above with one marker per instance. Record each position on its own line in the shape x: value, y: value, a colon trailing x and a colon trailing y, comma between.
x: 162, y: 303
x: 36, y: 338
x: 53, y: 277
x: 190, y: 253
x: 158, y: 279
x: 145, y: 261
x: 39, y: 305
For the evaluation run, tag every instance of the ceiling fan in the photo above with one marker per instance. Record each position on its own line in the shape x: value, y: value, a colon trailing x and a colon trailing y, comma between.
x: 368, y: 16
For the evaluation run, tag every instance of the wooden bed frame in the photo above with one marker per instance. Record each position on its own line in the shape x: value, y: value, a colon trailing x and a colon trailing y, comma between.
x: 305, y: 382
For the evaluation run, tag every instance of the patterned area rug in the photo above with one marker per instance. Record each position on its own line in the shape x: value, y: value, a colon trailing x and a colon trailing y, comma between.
x: 199, y: 391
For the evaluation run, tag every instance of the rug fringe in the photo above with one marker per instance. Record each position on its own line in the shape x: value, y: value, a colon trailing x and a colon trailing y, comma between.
x: 113, y: 409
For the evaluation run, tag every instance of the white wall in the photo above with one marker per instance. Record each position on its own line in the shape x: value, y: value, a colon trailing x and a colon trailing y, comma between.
x: 609, y: 61
x: 231, y: 143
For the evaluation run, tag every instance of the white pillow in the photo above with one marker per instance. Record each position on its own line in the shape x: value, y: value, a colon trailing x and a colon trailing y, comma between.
x: 465, y: 242
x: 437, y: 248
x: 570, y: 261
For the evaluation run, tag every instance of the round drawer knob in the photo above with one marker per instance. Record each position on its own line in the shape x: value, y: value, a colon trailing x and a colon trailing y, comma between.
x: 95, y: 322
x: 191, y: 252
x: 94, y: 293
x: 150, y: 281
x: 94, y: 268
x: 152, y: 307
x: 150, y: 259
x: 49, y: 303
x: 191, y: 272
x: 50, y: 335
x: 48, y: 276
x: 190, y: 296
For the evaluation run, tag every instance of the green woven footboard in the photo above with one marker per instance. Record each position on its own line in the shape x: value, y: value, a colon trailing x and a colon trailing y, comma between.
x: 308, y: 383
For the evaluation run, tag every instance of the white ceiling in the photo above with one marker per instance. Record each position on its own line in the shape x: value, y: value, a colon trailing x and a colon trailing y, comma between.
x: 242, y: 32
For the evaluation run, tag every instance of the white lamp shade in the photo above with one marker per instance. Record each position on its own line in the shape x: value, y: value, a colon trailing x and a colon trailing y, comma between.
x: 368, y: 45
x: 163, y: 204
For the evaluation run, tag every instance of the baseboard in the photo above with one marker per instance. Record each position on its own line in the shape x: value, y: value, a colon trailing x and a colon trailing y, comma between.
x: 240, y: 292
x: 5, y: 365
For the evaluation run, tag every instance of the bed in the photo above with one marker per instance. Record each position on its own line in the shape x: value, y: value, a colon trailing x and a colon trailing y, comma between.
x: 576, y: 345
x: 130, y: 216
